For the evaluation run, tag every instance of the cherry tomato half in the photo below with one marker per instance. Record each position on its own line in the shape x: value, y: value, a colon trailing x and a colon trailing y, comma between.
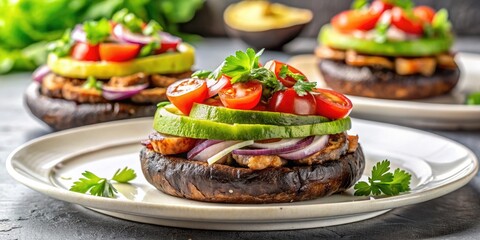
x: 331, y: 104
x: 85, y: 52
x: 185, y: 92
x: 350, y: 20
x: 241, y: 95
x: 379, y: 6
x: 425, y: 13
x: 118, y: 52
x: 276, y: 66
x: 408, y: 24
x: 288, y: 101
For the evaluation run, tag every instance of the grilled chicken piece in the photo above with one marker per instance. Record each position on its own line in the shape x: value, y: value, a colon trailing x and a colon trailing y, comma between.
x: 407, y: 66
x: 259, y: 162
x: 150, y: 95
x: 446, y: 60
x: 167, y: 79
x: 352, y: 143
x: 127, y: 81
x: 354, y: 59
x: 168, y: 145
x: 74, y: 91
x: 52, y: 85
x: 335, y: 148
x: 324, y: 52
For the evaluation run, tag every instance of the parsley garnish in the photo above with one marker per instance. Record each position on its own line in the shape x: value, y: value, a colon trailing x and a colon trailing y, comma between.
x: 149, y: 49
x: 202, y: 74
x: 103, y: 187
x: 97, y: 31
x: 405, y: 4
x: 240, y: 65
x: 285, y: 72
x: 128, y: 20
x: 92, y: 83
x: 384, y: 182
x: 303, y: 87
x: 62, y: 46
x: 152, y: 28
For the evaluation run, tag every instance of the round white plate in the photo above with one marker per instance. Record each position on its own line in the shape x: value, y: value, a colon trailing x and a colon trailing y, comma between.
x: 51, y: 164
x: 444, y: 112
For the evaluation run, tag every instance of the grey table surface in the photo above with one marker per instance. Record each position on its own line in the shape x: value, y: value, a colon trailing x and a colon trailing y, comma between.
x: 26, y: 214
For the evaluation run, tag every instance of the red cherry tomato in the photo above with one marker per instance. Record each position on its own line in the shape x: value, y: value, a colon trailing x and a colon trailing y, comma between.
x: 350, y: 20
x: 213, y: 102
x: 408, y: 24
x: 85, y: 52
x: 425, y: 13
x: 378, y: 7
x: 276, y: 66
x: 288, y: 101
x: 118, y: 52
x: 185, y: 92
x: 331, y: 104
x: 169, y: 42
x: 241, y: 95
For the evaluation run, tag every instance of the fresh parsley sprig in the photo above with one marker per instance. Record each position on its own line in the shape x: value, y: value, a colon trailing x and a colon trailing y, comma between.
x: 103, y: 187
x: 384, y: 182
x: 303, y: 87
x: 240, y: 65
x: 97, y: 31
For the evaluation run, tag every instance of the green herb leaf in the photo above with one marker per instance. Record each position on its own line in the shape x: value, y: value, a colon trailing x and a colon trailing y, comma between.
x: 381, y: 30
x: 303, y: 87
x: 62, y: 47
x: 241, y: 64
x: 92, y: 83
x: 440, y: 24
x: 97, y: 31
x: 162, y: 104
x: 384, y: 182
x: 149, y: 49
x: 152, y: 29
x: 405, y: 4
x: 359, y: 4
x: 473, y: 98
x: 103, y: 187
x: 202, y: 74
x: 125, y: 175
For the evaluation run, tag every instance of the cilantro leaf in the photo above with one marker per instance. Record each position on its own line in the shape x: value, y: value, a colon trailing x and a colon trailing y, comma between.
x: 62, y: 47
x: 303, y: 87
x: 384, y: 182
x: 440, y: 24
x: 92, y: 83
x: 97, y: 31
x: 103, y: 187
x: 124, y: 175
x: 241, y: 64
x: 202, y: 74
x: 359, y: 4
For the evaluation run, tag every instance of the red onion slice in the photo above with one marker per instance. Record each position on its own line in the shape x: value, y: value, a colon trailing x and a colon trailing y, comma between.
x: 319, y: 142
x: 78, y: 34
x: 119, y: 93
x: 200, y: 147
x: 274, y: 151
x: 126, y: 35
x: 40, y: 73
x: 217, y: 86
x: 210, y: 151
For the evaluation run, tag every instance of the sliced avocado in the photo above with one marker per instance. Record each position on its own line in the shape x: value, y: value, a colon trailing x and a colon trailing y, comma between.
x: 166, y: 121
x: 253, y: 16
x: 172, y: 62
x: 232, y: 116
x: 412, y: 48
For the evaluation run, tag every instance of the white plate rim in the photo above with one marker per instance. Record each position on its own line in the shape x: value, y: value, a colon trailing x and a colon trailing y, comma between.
x: 238, y: 211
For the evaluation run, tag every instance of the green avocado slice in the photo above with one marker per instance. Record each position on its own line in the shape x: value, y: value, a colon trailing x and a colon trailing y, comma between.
x: 165, y: 63
x: 413, y: 48
x: 166, y: 121
x: 232, y: 116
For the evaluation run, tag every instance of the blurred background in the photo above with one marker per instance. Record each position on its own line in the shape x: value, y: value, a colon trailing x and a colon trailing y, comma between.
x: 26, y: 26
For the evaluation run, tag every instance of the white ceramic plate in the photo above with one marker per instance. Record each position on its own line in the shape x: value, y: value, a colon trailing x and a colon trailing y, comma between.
x: 444, y: 112
x: 51, y: 163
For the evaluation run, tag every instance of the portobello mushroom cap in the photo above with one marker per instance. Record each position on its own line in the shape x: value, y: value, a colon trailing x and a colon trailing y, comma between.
x: 61, y: 114
x: 197, y: 180
x: 384, y: 83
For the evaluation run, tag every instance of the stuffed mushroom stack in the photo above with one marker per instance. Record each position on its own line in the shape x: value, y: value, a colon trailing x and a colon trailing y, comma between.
x: 253, y: 135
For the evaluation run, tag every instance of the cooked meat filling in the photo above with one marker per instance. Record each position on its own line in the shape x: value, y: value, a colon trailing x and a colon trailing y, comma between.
x: 168, y: 145
x: 259, y: 162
